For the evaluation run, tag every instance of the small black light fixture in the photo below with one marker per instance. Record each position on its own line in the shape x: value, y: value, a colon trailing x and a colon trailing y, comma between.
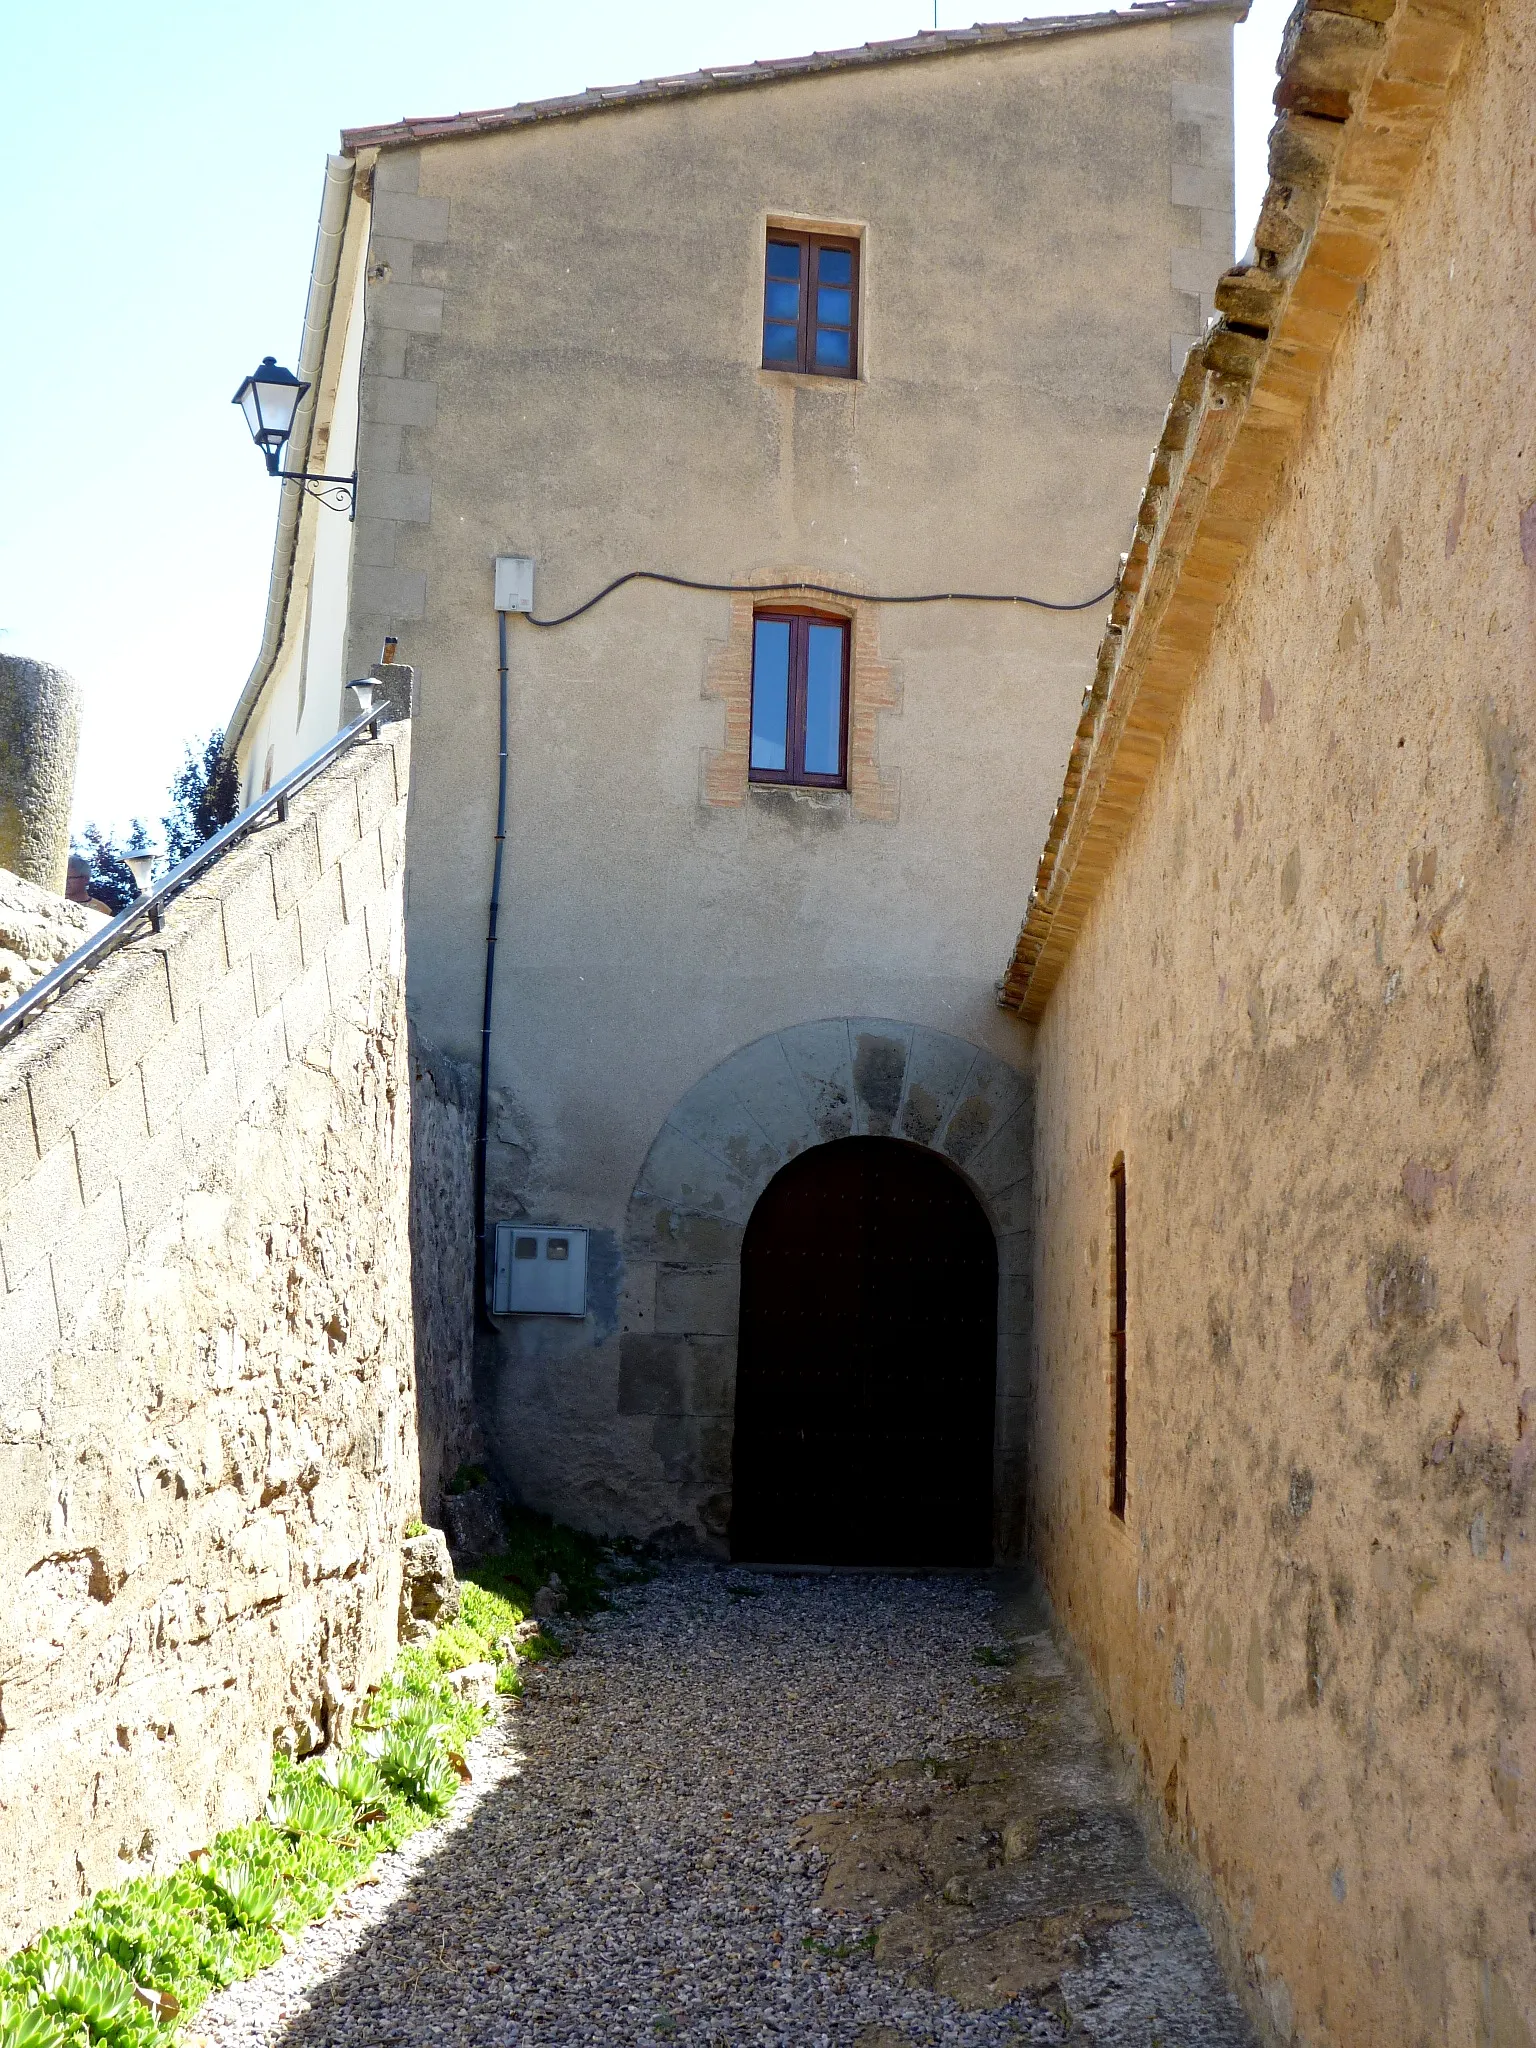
x: 269, y: 398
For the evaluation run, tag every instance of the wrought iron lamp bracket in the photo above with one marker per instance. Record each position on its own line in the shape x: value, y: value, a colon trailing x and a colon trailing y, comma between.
x: 336, y: 493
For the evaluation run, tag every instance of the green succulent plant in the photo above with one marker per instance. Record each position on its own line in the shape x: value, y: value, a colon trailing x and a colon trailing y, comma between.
x: 307, y: 1806
x: 29, y: 2026
x: 137, y: 1960
x: 457, y: 1644
x: 412, y: 1762
x: 98, y: 1992
x: 247, y: 1896
x: 355, y: 1777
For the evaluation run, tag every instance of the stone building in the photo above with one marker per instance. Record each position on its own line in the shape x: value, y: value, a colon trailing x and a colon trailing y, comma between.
x: 1247, y: 1133
x: 582, y: 333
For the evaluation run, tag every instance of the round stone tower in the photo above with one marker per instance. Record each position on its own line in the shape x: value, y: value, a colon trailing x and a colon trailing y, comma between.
x: 39, y: 735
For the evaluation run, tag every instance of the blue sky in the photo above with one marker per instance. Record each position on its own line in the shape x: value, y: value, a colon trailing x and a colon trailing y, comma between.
x: 162, y: 169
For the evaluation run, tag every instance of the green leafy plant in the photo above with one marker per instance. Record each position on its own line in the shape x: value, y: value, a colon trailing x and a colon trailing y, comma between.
x: 466, y: 1479
x: 308, y: 1806
x: 416, y: 1526
x: 457, y: 1644
x: 414, y: 1763
x: 29, y: 2026
x: 169, y: 1934
x: 99, y: 1991
x: 137, y: 1959
x: 841, y: 1951
x: 355, y: 1776
x: 536, y: 1547
x: 250, y: 1898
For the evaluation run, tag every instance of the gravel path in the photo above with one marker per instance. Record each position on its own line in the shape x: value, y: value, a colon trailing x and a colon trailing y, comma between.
x: 624, y: 1868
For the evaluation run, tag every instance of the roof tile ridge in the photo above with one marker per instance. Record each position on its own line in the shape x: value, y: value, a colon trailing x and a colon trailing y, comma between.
x: 771, y: 70
x: 1277, y: 329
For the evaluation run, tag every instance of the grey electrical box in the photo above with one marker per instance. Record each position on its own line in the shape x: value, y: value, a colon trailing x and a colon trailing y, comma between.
x: 514, y: 583
x: 539, y: 1270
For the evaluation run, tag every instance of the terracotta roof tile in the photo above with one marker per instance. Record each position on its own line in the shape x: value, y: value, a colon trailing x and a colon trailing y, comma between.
x: 1242, y: 407
x: 770, y: 71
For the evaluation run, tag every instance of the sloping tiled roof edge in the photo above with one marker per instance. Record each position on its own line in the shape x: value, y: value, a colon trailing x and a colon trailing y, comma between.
x: 1362, y: 86
x: 775, y: 71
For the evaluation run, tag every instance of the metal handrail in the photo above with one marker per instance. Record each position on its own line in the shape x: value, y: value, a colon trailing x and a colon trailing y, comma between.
x: 151, y: 907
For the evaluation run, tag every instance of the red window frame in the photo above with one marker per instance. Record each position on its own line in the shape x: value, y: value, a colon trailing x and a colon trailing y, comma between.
x: 800, y: 619
x: 811, y: 248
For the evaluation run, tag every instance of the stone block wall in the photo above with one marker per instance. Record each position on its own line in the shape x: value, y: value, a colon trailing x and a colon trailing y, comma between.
x: 208, y: 1425
x: 443, y: 1270
x: 646, y: 1386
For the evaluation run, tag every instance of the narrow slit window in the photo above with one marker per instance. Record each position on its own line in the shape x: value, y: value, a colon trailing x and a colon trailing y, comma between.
x: 799, y: 699
x: 1117, y: 1335
x: 810, y: 304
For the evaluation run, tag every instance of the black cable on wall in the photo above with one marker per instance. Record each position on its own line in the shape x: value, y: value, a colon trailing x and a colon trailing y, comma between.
x: 1042, y: 604
x: 483, y: 1118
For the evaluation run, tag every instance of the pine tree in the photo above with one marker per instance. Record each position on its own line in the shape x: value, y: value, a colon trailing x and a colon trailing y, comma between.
x: 110, y: 881
x: 205, y: 795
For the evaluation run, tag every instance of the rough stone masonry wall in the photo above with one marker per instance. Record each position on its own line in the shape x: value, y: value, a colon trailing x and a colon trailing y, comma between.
x: 1303, y: 1008
x: 207, y: 1407
x: 443, y: 1270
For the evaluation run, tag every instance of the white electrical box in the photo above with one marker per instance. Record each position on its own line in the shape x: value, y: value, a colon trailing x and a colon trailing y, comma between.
x: 514, y: 583
x: 539, y: 1271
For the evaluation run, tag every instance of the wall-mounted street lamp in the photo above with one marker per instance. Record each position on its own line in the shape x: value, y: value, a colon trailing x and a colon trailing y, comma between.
x: 269, y: 398
x: 140, y: 861
x: 365, y: 694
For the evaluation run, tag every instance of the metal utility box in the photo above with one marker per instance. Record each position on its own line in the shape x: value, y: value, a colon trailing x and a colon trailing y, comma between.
x: 539, y: 1270
x: 514, y: 583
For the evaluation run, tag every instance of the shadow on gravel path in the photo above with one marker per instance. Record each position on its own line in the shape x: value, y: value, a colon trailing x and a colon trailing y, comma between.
x: 754, y: 1809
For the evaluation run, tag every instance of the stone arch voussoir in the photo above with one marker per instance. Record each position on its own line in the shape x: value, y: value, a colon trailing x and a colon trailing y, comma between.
x: 775, y: 1098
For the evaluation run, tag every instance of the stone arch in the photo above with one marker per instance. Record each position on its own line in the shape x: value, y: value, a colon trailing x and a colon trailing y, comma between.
x: 718, y: 1149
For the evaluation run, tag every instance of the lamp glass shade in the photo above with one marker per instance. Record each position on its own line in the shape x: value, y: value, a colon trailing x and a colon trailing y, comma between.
x: 141, y: 866
x: 363, y: 693
x: 269, y: 398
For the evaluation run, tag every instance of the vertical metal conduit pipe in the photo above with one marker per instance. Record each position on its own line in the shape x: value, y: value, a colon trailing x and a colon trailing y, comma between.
x: 483, y: 1120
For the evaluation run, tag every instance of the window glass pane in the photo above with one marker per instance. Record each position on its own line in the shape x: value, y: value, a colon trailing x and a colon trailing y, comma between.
x: 784, y: 259
x: 779, y: 343
x: 831, y: 348
x: 834, y: 307
x: 835, y: 266
x: 824, y: 700
x: 770, y: 692
x: 782, y: 301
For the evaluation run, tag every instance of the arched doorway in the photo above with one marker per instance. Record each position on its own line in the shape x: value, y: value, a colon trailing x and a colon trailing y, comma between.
x: 866, y: 1370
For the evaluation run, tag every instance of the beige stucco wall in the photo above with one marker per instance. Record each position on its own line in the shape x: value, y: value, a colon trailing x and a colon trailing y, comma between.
x: 301, y: 703
x: 563, y: 361
x: 1302, y: 1009
x: 208, y: 1408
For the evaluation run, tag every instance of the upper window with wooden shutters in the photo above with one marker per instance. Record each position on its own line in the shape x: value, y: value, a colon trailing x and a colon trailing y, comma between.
x: 810, y: 304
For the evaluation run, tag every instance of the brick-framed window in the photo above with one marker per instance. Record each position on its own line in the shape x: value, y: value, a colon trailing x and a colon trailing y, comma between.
x: 811, y: 304
x: 799, y: 698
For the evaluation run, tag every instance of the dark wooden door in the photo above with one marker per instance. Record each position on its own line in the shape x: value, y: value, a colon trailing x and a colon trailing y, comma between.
x: 867, y: 1363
